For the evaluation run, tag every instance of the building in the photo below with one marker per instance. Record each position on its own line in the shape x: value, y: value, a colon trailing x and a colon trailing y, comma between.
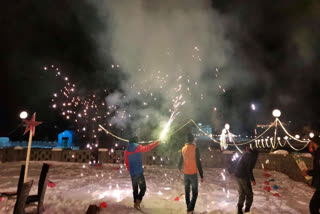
x: 205, y: 128
x: 66, y: 139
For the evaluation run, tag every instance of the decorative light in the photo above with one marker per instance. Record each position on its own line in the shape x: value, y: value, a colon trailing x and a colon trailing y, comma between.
x: 311, y: 135
x: 227, y: 126
x: 23, y: 115
x: 297, y: 136
x: 276, y: 113
x: 253, y: 107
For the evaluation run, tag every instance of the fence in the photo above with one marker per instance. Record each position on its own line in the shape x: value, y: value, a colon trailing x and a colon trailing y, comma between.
x: 212, y: 159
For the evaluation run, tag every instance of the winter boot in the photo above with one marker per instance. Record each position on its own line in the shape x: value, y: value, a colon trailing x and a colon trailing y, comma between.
x: 247, y: 210
x: 240, y: 210
x: 137, y: 204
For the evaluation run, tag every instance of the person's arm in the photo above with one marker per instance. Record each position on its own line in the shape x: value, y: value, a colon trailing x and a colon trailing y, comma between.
x: 199, y: 163
x: 149, y: 147
x: 250, y: 167
x: 180, y: 161
x: 126, y: 159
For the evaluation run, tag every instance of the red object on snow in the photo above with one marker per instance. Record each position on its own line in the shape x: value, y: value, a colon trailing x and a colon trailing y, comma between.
x: 50, y: 165
x: 276, y: 194
x: 265, y: 170
x: 267, y: 188
x: 0, y: 199
x: 266, y: 175
x: 177, y: 199
x: 310, y: 149
x: 266, y: 182
x: 51, y: 184
x: 103, y: 205
x: 31, y: 124
x: 116, y: 168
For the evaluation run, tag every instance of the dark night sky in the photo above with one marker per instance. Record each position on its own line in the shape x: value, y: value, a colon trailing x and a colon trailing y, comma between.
x: 279, y: 42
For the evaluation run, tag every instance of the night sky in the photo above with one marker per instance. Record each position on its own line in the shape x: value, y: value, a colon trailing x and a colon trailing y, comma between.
x: 276, y: 42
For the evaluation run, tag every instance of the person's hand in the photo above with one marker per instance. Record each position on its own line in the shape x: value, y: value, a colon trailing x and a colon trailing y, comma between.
x: 201, y: 179
x: 253, y: 183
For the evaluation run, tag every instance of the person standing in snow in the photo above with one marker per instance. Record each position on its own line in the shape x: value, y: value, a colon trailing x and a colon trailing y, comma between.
x: 133, y: 160
x: 190, y: 160
x: 245, y: 177
x: 314, y: 205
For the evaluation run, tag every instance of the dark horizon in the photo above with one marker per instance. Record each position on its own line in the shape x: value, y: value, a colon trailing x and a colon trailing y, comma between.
x: 275, y: 44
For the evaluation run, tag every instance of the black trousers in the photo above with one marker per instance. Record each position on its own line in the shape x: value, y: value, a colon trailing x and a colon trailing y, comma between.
x: 315, y: 203
x: 138, y: 182
x: 245, y: 193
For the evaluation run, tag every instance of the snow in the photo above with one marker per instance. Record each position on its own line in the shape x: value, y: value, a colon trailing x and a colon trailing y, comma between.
x: 227, y: 152
x: 17, y: 148
x: 280, y: 152
x: 77, y: 187
x: 307, y: 155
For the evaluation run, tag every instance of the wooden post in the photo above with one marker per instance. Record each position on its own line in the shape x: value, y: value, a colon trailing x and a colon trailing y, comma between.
x: 28, y: 156
x: 274, y: 143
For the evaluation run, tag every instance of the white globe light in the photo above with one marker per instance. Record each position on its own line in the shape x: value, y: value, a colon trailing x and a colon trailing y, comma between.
x: 297, y: 136
x: 276, y: 113
x: 227, y: 126
x: 311, y: 135
x: 253, y: 107
x: 23, y: 115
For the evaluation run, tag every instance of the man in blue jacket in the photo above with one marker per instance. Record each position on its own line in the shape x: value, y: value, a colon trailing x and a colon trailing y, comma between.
x: 133, y: 160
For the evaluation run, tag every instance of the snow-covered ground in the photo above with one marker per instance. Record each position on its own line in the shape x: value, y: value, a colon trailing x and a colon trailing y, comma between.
x: 79, y: 185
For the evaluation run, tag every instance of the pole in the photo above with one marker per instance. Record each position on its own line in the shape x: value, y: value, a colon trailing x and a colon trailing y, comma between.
x: 273, y: 144
x: 28, y: 157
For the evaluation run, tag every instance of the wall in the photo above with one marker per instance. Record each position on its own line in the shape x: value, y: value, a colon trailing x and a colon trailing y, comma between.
x: 212, y: 159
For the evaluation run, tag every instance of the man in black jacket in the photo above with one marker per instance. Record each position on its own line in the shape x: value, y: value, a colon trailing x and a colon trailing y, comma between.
x: 315, y: 173
x: 244, y: 177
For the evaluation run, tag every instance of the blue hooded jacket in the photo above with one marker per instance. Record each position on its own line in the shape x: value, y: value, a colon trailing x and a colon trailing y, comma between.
x: 133, y: 157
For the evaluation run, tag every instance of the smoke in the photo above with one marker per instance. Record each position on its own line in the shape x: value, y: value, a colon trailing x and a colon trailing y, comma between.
x: 174, y: 56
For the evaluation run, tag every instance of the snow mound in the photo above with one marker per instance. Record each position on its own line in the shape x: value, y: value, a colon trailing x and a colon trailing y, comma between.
x: 18, y: 148
x: 280, y: 152
x: 228, y: 152
x: 307, y: 155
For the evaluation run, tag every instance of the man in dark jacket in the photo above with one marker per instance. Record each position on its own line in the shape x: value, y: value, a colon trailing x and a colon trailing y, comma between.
x: 244, y: 177
x: 315, y: 173
x: 190, y: 159
x: 133, y: 160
